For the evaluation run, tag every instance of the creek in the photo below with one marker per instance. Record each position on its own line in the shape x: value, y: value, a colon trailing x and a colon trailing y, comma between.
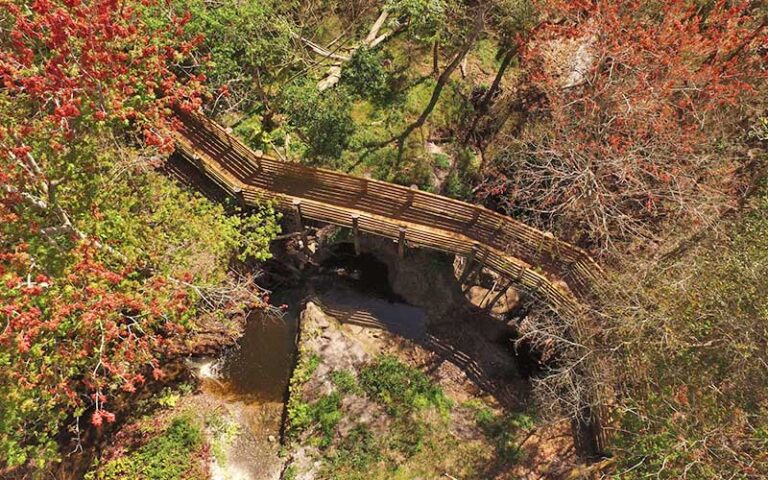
x: 250, y: 381
x: 259, y: 368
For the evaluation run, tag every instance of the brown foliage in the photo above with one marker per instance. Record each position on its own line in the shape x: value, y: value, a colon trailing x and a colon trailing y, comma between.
x: 640, y: 120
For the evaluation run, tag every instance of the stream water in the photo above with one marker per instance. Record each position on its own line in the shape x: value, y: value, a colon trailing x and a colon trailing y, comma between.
x: 251, y: 380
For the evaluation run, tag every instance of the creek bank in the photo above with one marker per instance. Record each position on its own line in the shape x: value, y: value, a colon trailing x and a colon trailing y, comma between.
x: 367, y: 402
x: 234, y: 419
x: 332, y: 415
x: 210, y: 334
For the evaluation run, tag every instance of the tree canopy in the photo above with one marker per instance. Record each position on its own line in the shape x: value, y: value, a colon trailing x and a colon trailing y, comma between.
x: 97, y: 251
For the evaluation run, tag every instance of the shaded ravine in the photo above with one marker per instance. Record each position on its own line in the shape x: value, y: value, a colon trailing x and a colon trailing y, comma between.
x: 250, y: 381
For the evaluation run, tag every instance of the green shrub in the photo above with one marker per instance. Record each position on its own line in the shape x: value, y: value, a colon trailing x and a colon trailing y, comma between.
x: 442, y: 161
x: 169, y: 456
x: 366, y: 75
x: 407, y: 436
x: 323, y: 119
x: 305, y: 368
x: 299, y: 411
x: 326, y: 413
x: 692, y: 359
x: 354, y: 456
x: 290, y: 473
x: 504, y: 431
x: 299, y: 416
x: 345, y: 381
x: 323, y: 414
x: 400, y: 388
x: 424, y: 16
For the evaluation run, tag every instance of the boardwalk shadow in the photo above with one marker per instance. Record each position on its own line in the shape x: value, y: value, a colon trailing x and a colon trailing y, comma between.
x: 181, y: 170
x: 481, y: 348
x: 475, y: 343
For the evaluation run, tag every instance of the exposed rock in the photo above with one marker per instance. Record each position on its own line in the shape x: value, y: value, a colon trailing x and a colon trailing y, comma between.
x: 569, y: 60
x: 424, y: 278
x: 482, y: 297
x: 333, y: 346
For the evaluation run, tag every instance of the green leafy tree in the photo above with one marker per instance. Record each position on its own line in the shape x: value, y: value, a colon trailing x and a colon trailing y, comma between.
x: 322, y: 119
x: 98, y: 253
x: 244, y: 48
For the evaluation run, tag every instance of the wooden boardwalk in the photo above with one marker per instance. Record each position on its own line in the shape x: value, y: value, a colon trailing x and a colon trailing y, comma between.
x: 550, y: 269
x: 556, y: 273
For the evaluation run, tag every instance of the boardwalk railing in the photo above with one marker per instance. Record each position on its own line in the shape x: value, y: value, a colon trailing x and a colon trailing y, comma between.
x: 534, y: 259
x: 554, y: 271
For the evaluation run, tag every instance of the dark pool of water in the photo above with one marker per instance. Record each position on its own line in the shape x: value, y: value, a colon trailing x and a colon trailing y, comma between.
x: 354, y: 289
x: 260, y: 367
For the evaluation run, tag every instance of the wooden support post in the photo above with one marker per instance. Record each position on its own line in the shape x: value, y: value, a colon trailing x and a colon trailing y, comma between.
x: 479, y: 267
x: 499, y: 228
x: 401, y: 243
x: 198, y: 162
x: 485, y: 258
x: 498, y: 296
x: 542, y: 249
x: 297, y: 214
x: 468, y: 266
x: 300, y: 222
x: 356, y: 232
x: 411, y: 196
x: 485, y: 297
x: 475, y: 218
x: 258, y: 159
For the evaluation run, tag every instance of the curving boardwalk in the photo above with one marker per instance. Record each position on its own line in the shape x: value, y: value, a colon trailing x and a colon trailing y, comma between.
x: 550, y: 269
x: 557, y: 273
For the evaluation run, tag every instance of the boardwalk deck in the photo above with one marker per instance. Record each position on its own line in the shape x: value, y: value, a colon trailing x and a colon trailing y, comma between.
x: 538, y: 262
x: 557, y: 273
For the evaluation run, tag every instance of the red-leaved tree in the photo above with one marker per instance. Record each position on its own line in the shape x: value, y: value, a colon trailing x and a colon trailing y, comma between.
x: 68, y: 343
x: 78, y: 321
x: 641, y: 113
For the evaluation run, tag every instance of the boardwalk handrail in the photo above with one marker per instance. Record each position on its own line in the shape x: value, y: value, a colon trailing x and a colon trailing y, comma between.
x: 255, y: 172
x: 554, y: 271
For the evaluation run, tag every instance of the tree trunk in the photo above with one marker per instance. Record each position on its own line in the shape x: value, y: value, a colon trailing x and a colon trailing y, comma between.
x: 442, y: 80
x: 485, y: 102
x: 588, y: 436
x: 435, y: 59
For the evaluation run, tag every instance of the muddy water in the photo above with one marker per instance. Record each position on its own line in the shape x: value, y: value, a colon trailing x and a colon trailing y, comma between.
x: 250, y: 382
x: 259, y: 368
x: 354, y: 287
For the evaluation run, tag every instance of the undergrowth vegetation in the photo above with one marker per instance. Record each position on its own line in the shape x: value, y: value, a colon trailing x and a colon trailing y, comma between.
x: 409, y: 433
x: 401, y: 389
x: 169, y: 455
x: 694, y: 357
